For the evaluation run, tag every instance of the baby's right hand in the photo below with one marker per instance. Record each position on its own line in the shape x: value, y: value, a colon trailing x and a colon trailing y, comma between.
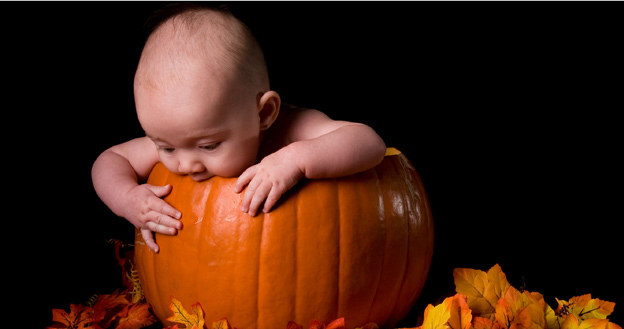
x: 147, y: 211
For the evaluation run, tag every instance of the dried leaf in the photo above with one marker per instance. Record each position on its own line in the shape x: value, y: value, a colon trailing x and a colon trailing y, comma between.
x: 135, y: 316
x: 484, y: 323
x: 106, y: 307
x: 461, y: 315
x: 79, y: 316
x: 483, y: 290
x: 518, y: 310
x: 195, y: 319
x: 436, y: 317
x: 574, y: 322
x: 584, y: 307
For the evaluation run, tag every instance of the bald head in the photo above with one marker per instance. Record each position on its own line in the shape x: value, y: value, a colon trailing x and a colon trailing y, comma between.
x: 205, y: 43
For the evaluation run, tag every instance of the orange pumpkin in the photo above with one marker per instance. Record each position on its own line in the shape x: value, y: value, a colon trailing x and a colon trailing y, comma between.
x: 357, y: 247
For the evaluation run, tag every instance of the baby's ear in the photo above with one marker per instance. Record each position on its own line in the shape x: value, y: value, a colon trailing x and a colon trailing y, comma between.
x: 268, y: 108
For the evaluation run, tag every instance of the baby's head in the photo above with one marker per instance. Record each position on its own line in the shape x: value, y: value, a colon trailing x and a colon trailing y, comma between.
x: 202, y: 93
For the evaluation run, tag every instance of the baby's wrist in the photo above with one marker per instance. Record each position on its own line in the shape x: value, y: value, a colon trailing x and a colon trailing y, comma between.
x: 296, y: 153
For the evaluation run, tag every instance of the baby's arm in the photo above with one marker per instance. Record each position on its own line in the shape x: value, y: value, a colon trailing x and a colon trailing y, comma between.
x: 117, y: 174
x: 318, y: 147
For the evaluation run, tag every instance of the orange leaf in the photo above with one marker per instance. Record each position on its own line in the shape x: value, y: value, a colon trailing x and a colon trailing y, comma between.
x: 518, y: 310
x: 484, y: 323
x: 315, y: 324
x: 180, y: 315
x: 135, y: 316
x: 574, y: 322
x: 107, y: 306
x: 79, y: 316
x: 461, y: 315
x: 483, y: 290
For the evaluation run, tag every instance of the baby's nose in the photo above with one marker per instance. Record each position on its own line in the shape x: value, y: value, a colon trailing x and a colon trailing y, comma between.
x: 190, y: 166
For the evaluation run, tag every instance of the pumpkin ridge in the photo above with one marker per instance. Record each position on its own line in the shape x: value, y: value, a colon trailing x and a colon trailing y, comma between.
x: 382, y: 216
x: 296, y: 210
x: 258, y: 274
x: 401, y: 172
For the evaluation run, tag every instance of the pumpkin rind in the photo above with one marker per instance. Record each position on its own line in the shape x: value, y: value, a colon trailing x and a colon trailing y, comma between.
x: 357, y: 247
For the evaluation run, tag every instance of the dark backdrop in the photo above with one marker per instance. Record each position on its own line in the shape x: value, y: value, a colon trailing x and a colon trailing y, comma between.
x: 507, y: 110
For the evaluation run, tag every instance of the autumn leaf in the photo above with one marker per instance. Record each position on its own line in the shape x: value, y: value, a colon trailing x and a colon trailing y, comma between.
x: 518, y: 310
x: 193, y: 320
x: 461, y: 315
x: 584, y: 307
x: 135, y: 316
x: 484, y: 323
x: 483, y: 290
x: 79, y: 316
x: 436, y: 317
x: 106, y: 307
x: 574, y: 322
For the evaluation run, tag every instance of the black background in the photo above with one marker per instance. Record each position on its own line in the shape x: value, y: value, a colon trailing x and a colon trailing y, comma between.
x: 507, y: 110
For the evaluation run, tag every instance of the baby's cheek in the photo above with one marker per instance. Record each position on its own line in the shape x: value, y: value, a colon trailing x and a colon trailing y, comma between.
x: 171, y: 164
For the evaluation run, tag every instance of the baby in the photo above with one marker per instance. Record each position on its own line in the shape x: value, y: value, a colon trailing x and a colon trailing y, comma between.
x: 203, y: 99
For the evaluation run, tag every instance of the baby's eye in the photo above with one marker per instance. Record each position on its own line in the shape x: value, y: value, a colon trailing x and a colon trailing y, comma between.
x: 166, y: 149
x: 210, y: 147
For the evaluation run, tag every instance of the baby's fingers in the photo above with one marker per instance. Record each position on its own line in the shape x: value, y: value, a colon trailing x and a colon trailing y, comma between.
x: 245, y: 178
x: 260, y: 194
x: 271, y: 200
x: 163, y: 223
x: 159, y: 191
x: 161, y: 206
x: 148, y: 237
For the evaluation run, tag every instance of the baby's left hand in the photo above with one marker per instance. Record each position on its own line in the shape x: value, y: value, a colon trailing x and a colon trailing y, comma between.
x: 268, y: 180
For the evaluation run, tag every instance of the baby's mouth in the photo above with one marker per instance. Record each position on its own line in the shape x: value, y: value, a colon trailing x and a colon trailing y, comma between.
x: 198, y: 177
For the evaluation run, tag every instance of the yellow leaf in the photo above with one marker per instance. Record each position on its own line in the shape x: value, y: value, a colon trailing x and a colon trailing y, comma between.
x: 195, y: 319
x: 574, y: 322
x: 437, y: 317
x: 584, y: 307
x: 483, y: 290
